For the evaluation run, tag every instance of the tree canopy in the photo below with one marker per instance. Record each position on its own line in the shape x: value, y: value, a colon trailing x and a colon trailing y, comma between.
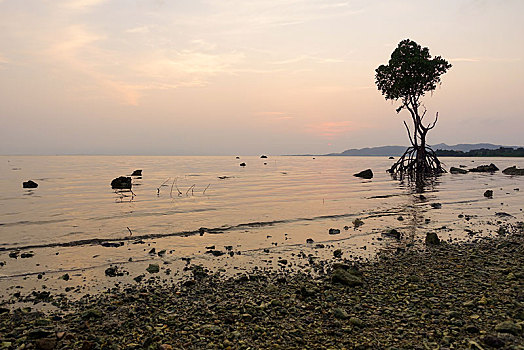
x: 410, y: 72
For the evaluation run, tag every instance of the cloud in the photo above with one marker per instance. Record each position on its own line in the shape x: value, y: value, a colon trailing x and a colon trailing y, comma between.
x: 140, y: 30
x: 306, y: 58
x: 80, y: 5
x: 330, y: 130
x: 486, y: 59
x: 3, y: 60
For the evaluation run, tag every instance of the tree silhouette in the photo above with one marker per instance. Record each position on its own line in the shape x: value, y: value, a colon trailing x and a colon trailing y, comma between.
x: 409, y: 74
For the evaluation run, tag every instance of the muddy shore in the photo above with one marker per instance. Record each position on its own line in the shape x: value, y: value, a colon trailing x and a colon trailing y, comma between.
x: 449, y: 296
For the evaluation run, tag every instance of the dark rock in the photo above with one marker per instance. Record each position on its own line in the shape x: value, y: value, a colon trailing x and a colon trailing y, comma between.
x: 392, y: 233
x: 14, y: 255
x: 340, y: 313
x: 432, y: 239
x: 484, y: 169
x: 454, y: 170
x: 153, y: 268
x: 65, y: 277
x: 137, y: 172
x: 215, y: 252
x: 346, y: 278
x: 513, y: 171
x: 29, y: 184
x: 391, y: 158
x: 509, y: 327
x: 334, y: 231
x: 45, y: 343
x: 436, y: 205
x: 488, y: 194
x: 471, y: 329
x: 121, y: 183
x: 365, y: 174
x: 283, y: 261
x: 152, y: 251
x: 111, y: 271
x: 112, y: 244
x: 242, y: 164
x: 161, y: 253
x: 493, y: 341
x: 337, y: 253
x: 310, y: 240
x: 263, y: 156
x: 39, y: 333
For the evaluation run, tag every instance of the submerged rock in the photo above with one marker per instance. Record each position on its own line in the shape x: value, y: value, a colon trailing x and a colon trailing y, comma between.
x: 485, y: 169
x: 454, y: 170
x: 513, y: 170
x: 121, y: 183
x: 365, y: 174
x: 29, y: 184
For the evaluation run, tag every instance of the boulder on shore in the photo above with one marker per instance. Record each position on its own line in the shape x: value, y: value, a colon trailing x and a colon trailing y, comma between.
x: 365, y: 174
x: 485, y: 169
x: 513, y: 170
x: 432, y: 239
x: 121, y: 183
x: 29, y: 184
x: 137, y: 172
x: 454, y: 170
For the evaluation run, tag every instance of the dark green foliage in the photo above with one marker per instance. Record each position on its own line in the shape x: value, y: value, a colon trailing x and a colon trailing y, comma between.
x: 410, y: 72
x: 499, y: 152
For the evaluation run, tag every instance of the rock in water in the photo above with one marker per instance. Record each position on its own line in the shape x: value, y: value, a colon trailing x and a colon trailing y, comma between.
x: 263, y: 156
x: 242, y: 164
x: 365, y: 174
x: 485, y: 169
x: 513, y: 170
x: 121, y: 183
x: 432, y: 239
x: 334, y: 231
x: 488, y: 194
x: 137, y: 172
x: 29, y: 184
x: 454, y: 170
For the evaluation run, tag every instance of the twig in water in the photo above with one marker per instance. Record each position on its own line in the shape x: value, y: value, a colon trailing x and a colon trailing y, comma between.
x: 190, y: 188
x: 171, y: 192
x: 179, y: 193
x: 163, y: 183
x: 130, y: 232
x: 206, y: 189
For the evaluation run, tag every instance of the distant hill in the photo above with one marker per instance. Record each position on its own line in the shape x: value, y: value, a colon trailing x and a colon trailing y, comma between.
x: 387, y: 151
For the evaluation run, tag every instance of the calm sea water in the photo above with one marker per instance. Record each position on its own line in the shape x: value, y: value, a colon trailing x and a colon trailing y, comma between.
x: 278, y: 201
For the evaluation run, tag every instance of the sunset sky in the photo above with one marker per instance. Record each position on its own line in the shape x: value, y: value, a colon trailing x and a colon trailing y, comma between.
x: 227, y: 77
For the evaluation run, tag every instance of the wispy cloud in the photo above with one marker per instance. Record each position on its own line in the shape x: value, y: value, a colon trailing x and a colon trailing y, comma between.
x: 330, y: 130
x: 486, y: 59
x: 81, y: 4
x: 307, y: 58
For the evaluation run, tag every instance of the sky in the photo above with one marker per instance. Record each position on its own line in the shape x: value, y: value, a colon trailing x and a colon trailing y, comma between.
x: 248, y: 77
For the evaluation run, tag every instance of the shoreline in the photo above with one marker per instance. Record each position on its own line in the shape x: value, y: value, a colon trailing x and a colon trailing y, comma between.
x: 455, y: 296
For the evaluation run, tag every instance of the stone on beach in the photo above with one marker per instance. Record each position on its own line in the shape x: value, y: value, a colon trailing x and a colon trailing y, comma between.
x: 484, y: 169
x: 455, y: 170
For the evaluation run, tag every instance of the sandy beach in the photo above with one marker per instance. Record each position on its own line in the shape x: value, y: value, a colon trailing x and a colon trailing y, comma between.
x: 448, y: 296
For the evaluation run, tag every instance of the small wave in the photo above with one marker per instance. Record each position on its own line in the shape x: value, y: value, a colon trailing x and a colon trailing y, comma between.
x: 216, y: 230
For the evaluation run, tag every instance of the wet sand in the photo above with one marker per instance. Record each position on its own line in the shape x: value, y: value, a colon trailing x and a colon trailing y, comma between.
x: 466, y: 295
